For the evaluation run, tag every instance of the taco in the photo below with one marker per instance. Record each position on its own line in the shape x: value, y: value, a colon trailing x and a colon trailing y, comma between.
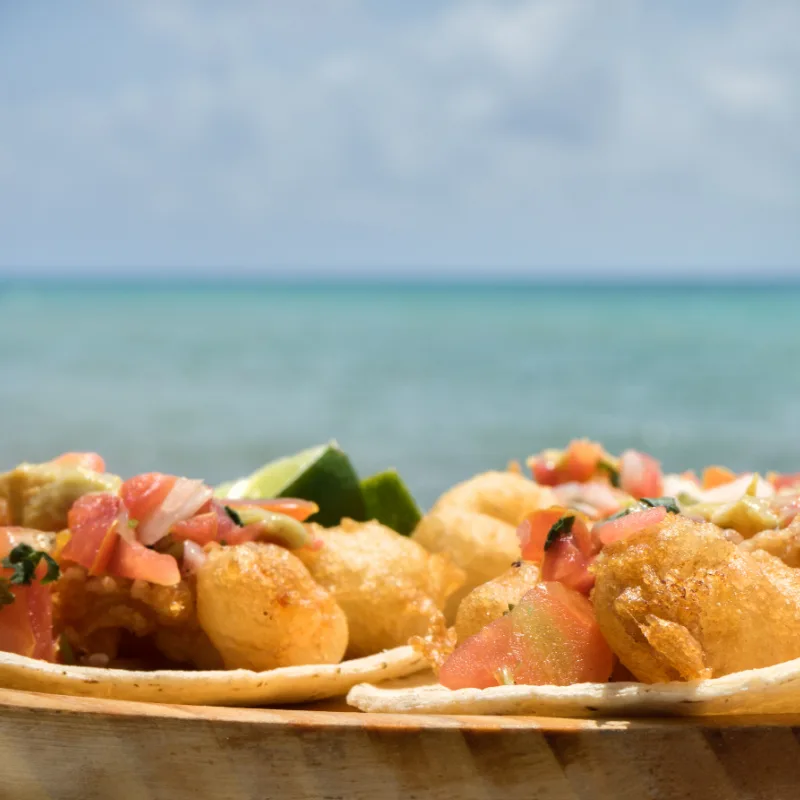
x: 154, y: 589
x: 627, y: 600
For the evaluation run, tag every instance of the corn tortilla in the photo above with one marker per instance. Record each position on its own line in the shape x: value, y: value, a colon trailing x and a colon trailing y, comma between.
x: 219, y: 687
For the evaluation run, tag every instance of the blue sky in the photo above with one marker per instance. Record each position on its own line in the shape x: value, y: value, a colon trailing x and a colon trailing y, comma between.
x: 414, y: 136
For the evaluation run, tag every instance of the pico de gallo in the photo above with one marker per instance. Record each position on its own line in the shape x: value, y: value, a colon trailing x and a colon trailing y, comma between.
x: 69, y: 515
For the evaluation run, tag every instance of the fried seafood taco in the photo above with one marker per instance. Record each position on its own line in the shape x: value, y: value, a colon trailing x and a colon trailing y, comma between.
x: 629, y: 601
x: 154, y: 589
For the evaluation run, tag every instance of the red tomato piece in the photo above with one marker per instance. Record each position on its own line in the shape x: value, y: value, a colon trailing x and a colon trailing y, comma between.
x: 622, y: 528
x: 581, y: 460
x: 144, y: 494
x: 26, y: 625
x: 135, y: 561
x: 785, y: 481
x: 536, y: 527
x: 532, y: 533
x: 300, y: 510
x: 564, y: 562
x: 202, y: 528
x: 550, y: 638
x: 96, y: 522
x: 92, y: 461
x: 640, y: 475
x: 545, y: 471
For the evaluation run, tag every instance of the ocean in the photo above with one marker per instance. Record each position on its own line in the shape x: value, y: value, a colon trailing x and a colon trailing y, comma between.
x: 441, y: 382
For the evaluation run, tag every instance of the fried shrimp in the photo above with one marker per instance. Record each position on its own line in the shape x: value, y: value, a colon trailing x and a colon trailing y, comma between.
x: 261, y: 609
x: 783, y: 543
x: 491, y: 600
x: 679, y: 601
x: 476, y: 521
x: 389, y: 587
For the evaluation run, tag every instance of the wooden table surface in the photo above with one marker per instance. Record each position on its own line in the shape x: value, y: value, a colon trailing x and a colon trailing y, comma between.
x: 63, y: 747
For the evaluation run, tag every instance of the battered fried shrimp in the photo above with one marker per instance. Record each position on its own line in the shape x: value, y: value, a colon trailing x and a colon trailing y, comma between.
x: 679, y: 601
x: 783, y: 544
x: 490, y: 601
x: 93, y: 612
x: 389, y: 587
x: 476, y: 524
x: 261, y: 609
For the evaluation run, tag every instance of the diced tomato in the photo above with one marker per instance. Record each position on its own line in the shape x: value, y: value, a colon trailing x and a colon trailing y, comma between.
x: 640, y: 475
x: 144, y: 494
x: 784, y: 481
x: 26, y: 625
x: 535, y: 529
x: 202, y: 528
x: 96, y: 522
x: 546, y: 471
x: 135, y: 561
x: 550, y: 638
x: 565, y: 563
x: 300, y: 510
x: 717, y: 476
x: 91, y: 461
x: 581, y: 459
x: 532, y: 533
x: 622, y: 528
x: 211, y: 524
x: 158, y: 502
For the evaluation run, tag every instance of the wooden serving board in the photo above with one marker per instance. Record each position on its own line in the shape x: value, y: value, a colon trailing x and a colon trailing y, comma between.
x: 63, y: 747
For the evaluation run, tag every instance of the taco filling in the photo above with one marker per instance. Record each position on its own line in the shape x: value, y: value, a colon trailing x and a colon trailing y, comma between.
x: 158, y: 572
x: 631, y: 575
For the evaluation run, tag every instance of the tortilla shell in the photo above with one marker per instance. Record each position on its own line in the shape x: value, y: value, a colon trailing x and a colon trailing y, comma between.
x: 768, y: 690
x: 219, y: 687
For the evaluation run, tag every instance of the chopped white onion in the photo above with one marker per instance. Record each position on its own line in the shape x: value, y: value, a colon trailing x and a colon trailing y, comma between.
x: 193, y: 557
x: 184, y: 500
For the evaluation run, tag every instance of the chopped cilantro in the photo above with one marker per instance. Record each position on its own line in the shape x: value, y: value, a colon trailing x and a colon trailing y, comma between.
x: 648, y: 502
x: 560, y: 528
x: 668, y: 502
x: 613, y: 472
x: 234, y: 515
x: 24, y: 560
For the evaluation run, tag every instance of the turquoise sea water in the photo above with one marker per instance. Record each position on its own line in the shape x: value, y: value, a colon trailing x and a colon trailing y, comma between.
x: 440, y: 382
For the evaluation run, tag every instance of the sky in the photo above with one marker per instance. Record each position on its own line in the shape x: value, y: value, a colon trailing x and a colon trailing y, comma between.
x: 409, y: 137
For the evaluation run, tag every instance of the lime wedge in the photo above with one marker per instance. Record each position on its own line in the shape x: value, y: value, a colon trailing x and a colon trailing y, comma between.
x: 321, y: 474
x: 387, y: 499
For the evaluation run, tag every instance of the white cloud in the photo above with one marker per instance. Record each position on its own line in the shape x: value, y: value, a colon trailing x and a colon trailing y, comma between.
x: 533, y: 132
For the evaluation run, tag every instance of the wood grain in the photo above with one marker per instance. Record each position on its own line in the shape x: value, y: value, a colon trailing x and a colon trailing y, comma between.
x: 63, y: 747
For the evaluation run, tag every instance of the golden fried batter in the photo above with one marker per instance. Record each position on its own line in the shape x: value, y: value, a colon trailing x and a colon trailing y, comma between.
x: 389, y: 587
x: 93, y: 612
x: 783, y: 543
x: 491, y: 600
x: 678, y: 601
x: 261, y: 609
x: 476, y: 523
